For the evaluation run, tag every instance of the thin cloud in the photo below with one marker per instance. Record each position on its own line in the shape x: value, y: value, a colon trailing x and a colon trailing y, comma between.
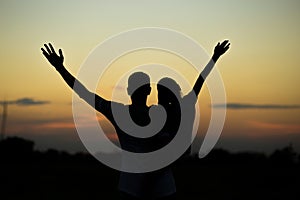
x: 57, y: 125
x: 237, y: 106
x: 25, y: 102
x: 275, y: 127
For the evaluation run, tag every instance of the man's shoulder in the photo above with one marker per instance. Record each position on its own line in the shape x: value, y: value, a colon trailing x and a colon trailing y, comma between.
x: 190, y: 98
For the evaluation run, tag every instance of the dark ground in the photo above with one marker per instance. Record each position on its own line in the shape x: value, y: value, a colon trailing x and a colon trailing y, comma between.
x: 29, y: 174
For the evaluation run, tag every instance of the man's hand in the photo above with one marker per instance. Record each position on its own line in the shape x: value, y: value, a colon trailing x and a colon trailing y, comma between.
x: 52, y: 57
x: 220, y: 49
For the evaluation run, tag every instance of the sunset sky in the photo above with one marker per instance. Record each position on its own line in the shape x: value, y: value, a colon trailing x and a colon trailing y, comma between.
x: 260, y: 71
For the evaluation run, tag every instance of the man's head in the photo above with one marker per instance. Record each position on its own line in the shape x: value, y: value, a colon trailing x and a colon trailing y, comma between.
x: 138, y: 85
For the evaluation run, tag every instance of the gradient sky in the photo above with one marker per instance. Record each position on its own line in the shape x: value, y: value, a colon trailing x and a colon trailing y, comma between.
x: 261, y: 68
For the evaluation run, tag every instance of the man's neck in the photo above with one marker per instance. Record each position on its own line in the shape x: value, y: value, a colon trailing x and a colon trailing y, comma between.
x: 139, y: 102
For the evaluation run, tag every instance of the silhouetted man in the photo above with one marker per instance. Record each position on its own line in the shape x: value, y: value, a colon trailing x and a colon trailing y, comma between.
x: 149, y: 185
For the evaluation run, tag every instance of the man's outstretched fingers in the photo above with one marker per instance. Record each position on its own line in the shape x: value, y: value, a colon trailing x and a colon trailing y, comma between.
x: 60, y: 53
x: 51, y: 47
x: 224, y: 43
x: 45, y: 53
x: 48, y: 50
x: 227, y: 46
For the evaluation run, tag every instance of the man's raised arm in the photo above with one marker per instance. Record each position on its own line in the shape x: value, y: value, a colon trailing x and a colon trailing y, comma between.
x: 57, y: 62
x: 219, y: 50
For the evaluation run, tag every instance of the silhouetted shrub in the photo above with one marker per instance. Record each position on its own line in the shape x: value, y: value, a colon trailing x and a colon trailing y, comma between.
x: 16, y: 149
x: 285, y: 156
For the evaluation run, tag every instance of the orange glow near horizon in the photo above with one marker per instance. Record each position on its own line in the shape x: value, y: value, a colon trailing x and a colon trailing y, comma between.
x: 261, y: 67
